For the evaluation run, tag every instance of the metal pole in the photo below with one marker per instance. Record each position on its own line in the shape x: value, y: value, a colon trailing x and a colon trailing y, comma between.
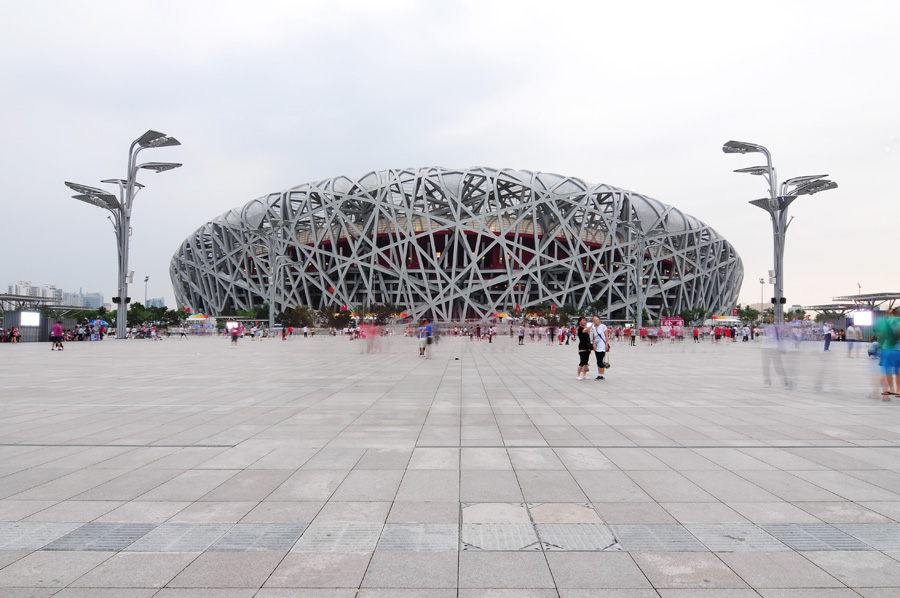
x: 762, y: 282
x: 273, y: 277
x: 125, y: 233
x: 639, y: 276
x: 121, y: 312
x: 778, y: 223
x: 146, y: 279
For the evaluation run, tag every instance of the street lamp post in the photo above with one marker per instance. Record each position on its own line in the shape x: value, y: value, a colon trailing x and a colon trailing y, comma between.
x: 146, y: 279
x: 777, y: 206
x: 121, y: 208
x: 762, y: 282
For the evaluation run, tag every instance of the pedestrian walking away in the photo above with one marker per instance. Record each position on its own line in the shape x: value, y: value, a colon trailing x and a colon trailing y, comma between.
x: 56, y: 336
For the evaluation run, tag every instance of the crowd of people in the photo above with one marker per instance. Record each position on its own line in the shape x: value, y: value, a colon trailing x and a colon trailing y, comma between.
x: 10, y: 335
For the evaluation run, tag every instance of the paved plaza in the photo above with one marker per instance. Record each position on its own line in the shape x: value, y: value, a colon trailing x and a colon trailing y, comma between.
x: 325, y: 467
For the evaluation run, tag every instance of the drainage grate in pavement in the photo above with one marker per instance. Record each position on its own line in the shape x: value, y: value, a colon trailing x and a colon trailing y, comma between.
x: 735, y: 537
x: 339, y: 537
x: 663, y: 537
x: 576, y: 536
x: 260, y: 536
x: 420, y: 537
x: 814, y: 536
x: 181, y: 537
x: 499, y: 536
x: 101, y: 536
x: 880, y: 536
x: 27, y: 535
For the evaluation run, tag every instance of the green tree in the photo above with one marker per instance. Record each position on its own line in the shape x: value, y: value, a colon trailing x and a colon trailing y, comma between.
x: 747, y: 314
x: 297, y: 317
x: 383, y: 312
x: 564, y: 315
x: 688, y: 315
x: 597, y: 307
x: 339, y: 319
x: 174, y: 317
x: 137, y: 314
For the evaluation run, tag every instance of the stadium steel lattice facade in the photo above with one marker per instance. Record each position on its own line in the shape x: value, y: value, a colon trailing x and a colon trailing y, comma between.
x: 453, y: 244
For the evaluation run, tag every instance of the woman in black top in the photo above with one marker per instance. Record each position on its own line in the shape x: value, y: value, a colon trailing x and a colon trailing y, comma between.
x: 584, y: 347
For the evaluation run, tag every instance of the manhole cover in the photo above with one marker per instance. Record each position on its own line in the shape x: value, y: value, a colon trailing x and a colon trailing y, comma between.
x: 499, y: 536
x: 575, y: 536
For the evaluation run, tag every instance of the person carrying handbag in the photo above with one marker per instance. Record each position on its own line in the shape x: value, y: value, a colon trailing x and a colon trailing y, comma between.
x: 600, y: 341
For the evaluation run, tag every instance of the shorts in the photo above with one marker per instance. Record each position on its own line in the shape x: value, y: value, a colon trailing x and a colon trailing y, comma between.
x: 55, y: 339
x: 601, y: 357
x: 889, y: 360
x: 583, y: 357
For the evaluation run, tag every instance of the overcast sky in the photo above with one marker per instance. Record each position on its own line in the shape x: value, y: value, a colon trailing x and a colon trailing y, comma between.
x: 268, y: 95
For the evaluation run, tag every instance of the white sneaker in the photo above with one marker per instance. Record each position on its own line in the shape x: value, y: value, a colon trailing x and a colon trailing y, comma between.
x: 580, y: 377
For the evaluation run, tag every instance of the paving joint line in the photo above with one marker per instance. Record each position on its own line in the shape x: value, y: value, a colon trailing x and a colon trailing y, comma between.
x: 649, y: 446
x: 2, y: 444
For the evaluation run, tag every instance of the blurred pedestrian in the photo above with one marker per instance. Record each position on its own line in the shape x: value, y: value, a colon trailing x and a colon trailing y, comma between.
x: 887, y: 330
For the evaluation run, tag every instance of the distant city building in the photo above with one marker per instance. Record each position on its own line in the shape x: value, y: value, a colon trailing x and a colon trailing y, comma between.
x: 24, y: 288
x: 156, y: 302
x: 92, y: 300
x: 51, y: 291
x: 73, y: 299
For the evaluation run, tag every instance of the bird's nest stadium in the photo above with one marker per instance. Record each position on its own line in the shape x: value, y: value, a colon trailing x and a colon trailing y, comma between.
x: 453, y: 245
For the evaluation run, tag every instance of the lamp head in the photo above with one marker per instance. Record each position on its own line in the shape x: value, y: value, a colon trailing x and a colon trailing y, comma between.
x: 739, y: 147
x: 816, y: 186
x: 797, y: 180
x: 84, y: 189
x: 121, y: 182
x: 105, y: 201
x: 156, y: 139
x: 159, y: 166
x: 757, y: 170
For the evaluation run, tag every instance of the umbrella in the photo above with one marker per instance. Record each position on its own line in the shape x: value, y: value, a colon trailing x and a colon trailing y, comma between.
x: 99, y: 323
